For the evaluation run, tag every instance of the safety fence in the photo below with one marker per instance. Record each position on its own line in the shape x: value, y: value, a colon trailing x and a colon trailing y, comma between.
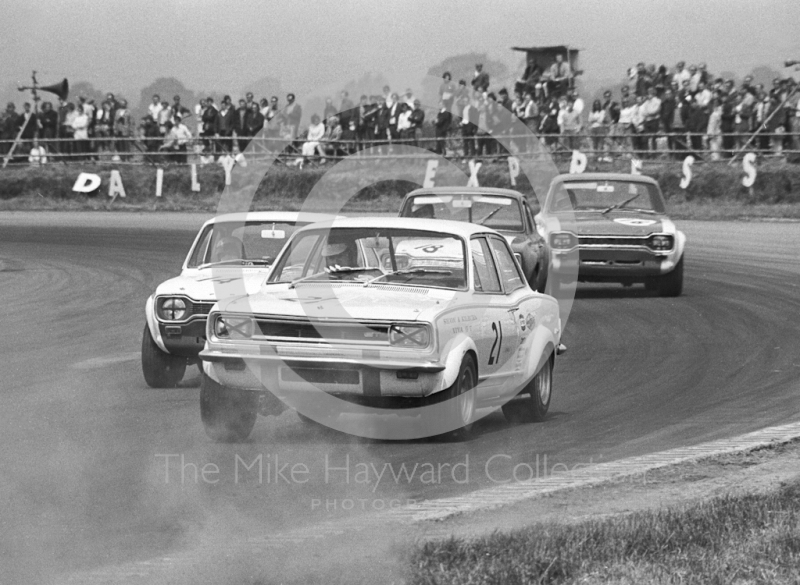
x: 600, y: 145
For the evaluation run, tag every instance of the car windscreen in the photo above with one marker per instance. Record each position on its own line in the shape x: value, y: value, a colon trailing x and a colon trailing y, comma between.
x: 257, y: 242
x: 494, y: 211
x: 373, y: 256
x: 605, y: 195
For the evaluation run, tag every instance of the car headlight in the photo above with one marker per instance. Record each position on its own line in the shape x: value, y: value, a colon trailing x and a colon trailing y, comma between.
x: 409, y: 335
x: 172, y: 309
x: 563, y: 241
x: 227, y: 327
x: 660, y: 243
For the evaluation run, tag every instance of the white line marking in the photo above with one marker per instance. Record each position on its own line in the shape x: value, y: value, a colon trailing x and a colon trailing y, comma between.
x: 102, y: 362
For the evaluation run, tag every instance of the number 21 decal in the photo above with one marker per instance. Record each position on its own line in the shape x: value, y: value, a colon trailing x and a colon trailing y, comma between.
x: 498, y: 343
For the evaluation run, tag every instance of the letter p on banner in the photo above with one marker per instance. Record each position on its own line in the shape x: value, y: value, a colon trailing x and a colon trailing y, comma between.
x: 86, y: 183
x: 578, y: 164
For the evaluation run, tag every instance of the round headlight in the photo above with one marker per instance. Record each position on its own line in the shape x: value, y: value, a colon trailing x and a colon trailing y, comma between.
x: 173, y: 309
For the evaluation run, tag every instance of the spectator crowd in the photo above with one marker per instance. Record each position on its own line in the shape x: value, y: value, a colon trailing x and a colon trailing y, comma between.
x: 658, y: 112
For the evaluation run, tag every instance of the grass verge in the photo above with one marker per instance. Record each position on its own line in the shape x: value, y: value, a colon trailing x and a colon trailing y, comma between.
x: 727, y: 539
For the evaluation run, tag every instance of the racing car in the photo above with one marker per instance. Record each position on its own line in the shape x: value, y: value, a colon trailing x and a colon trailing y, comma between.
x: 504, y: 210
x: 618, y: 225
x: 231, y: 254
x: 396, y: 314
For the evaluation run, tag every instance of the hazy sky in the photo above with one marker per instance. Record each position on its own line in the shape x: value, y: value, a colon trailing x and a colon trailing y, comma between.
x: 123, y: 45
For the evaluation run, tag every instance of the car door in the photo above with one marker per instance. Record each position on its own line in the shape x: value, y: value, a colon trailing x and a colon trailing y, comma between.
x: 497, y: 337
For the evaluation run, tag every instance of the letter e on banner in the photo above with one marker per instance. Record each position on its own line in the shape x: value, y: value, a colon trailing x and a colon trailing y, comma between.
x: 430, y: 173
x: 115, y: 187
x: 159, y: 181
x: 86, y: 183
x: 687, y: 171
x: 195, y: 183
x: 513, y: 169
x: 636, y: 166
x: 474, y: 167
x: 578, y: 164
x: 749, y: 166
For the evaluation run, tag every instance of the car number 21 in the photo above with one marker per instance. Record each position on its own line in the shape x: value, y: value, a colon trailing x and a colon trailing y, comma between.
x: 494, y: 356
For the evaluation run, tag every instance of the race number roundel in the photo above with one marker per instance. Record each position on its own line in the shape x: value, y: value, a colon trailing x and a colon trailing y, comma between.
x: 632, y: 221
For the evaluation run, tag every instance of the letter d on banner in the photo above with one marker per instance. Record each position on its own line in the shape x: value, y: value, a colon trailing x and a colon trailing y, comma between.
x: 86, y: 183
x: 687, y: 171
x: 430, y: 173
x: 748, y: 164
x: 578, y: 164
x: 513, y: 169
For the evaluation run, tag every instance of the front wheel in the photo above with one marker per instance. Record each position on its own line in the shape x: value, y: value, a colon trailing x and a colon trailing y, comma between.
x: 228, y: 414
x: 160, y: 369
x: 534, y: 402
x: 671, y: 284
x: 461, y: 402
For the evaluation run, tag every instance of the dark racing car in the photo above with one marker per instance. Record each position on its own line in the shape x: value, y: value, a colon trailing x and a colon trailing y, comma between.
x: 618, y: 225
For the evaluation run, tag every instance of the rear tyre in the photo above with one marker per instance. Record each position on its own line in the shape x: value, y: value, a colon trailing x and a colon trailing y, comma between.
x: 461, y: 402
x: 160, y: 369
x: 671, y: 284
x: 228, y: 414
x: 534, y: 400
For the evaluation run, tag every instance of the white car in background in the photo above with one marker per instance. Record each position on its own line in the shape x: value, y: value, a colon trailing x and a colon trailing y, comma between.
x: 231, y: 255
x: 387, y: 313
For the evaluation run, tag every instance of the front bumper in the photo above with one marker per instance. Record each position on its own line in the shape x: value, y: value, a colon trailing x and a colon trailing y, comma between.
x: 184, y: 339
x: 611, y: 264
x: 364, y: 373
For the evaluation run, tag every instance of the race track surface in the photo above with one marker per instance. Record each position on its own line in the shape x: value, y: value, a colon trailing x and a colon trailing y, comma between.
x: 98, y: 470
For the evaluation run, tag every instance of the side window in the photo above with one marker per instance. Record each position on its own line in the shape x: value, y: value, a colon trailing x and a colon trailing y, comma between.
x: 486, y: 279
x: 529, y: 217
x: 506, y: 266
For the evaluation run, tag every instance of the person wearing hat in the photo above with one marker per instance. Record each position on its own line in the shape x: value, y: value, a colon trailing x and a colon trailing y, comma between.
x: 339, y: 253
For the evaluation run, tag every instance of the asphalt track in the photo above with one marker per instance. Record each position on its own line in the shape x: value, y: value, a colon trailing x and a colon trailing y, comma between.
x: 91, y: 472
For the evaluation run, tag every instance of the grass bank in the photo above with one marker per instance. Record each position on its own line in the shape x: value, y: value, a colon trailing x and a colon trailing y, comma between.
x: 714, y: 193
x: 728, y: 539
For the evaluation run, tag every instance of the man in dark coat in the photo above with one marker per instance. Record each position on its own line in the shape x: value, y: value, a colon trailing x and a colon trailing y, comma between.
x: 442, y: 126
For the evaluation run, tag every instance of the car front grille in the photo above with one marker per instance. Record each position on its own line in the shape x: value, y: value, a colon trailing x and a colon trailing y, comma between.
x: 302, y: 330
x: 200, y: 308
x: 592, y: 241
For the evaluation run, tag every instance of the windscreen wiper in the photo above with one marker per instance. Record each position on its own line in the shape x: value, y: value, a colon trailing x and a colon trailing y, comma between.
x: 618, y: 205
x: 410, y: 271
x: 332, y: 270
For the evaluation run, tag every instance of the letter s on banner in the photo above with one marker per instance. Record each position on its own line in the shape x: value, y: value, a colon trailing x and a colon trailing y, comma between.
x: 86, y: 183
x: 578, y: 164
x: 430, y: 174
x: 687, y: 171
x: 749, y: 166
x: 513, y: 169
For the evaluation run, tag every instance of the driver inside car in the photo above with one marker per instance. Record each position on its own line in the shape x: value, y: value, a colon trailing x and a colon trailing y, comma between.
x: 340, y: 254
x: 226, y: 249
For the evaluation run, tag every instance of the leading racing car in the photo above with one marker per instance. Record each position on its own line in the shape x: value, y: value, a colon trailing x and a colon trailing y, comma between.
x: 387, y: 313
x: 618, y: 225
x: 231, y: 254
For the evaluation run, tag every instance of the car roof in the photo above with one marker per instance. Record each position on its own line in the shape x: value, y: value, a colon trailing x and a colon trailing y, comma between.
x: 604, y: 177
x: 277, y: 216
x: 466, y: 191
x: 458, y: 228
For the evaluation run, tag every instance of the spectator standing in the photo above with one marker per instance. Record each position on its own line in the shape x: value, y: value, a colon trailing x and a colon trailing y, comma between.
x: 627, y: 129
x: 255, y: 122
x: 103, y: 128
x: 571, y: 126
x: 404, y: 123
x: 612, y: 111
x: 208, y: 118
x: 8, y: 127
x: 714, y: 130
x: 80, y: 132
x: 417, y: 118
x: 155, y: 107
x: 178, y: 110
x: 469, y: 125
x: 727, y: 124
x: 668, y: 106
x: 597, y: 128
x: 123, y: 128
x: 681, y: 74
x: 240, y: 123
x: 703, y: 96
x: 346, y: 112
x: 697, y: 125
x: 226, y: 120
x: 447, y: 90
x: 651, y: 115
x: 28, y: 123
x: 441, y: 127
x: 330, y: 109
x: 177, y: 140
x: 549, y: 126
x: 293, y: 113
x: 164, y: 116
x: 480, y: 79
x: 639, y: 140
x: 48, y: 120
x: 394, y: 115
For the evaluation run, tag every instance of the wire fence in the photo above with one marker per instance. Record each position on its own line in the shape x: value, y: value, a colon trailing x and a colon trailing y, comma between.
x: 601, y: 145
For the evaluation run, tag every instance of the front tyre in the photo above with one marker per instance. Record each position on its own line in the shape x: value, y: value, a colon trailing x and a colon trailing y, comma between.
x: 160, y: 369
x: 671, y: 284
x: 460, y: 401
x: 534, y: 400
x: 228, y: 414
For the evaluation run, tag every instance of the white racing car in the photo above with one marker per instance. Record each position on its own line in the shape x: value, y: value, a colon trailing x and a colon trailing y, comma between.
x: 383, y: 313
x: 231, y: 255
